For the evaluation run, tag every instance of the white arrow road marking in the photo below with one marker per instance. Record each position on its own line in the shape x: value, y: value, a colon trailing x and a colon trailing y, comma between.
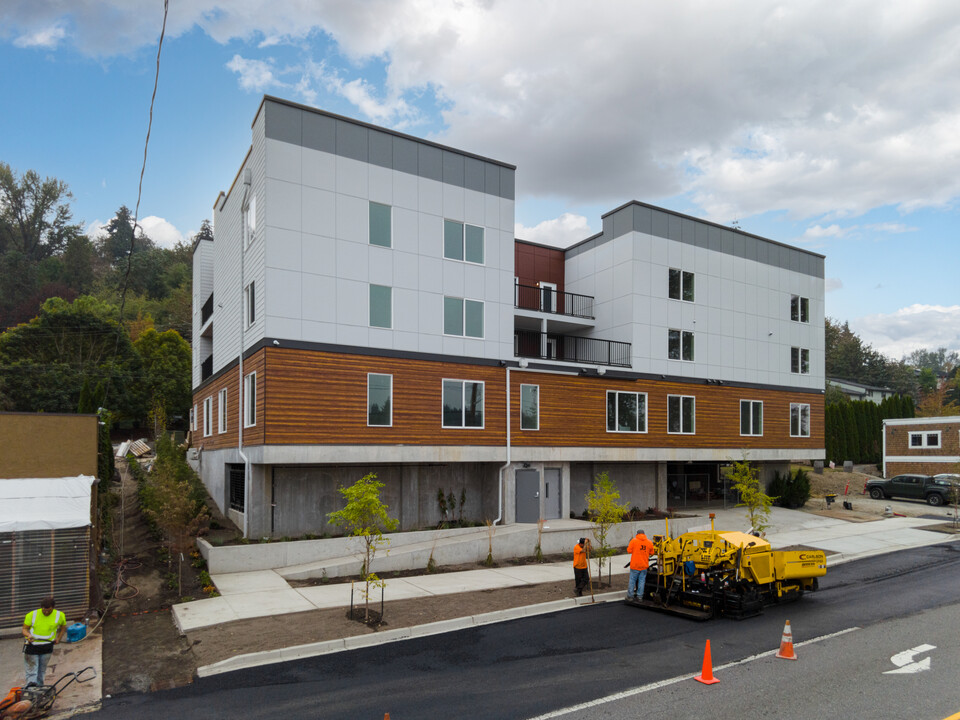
x: 904, y: 660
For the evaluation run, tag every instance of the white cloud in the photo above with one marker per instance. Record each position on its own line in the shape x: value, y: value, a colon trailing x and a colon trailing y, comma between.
x: 48, y: 37
x: 95, y: 230
x: 911, y: 328
x: 838, y: 108
x: 890, y: 227
x: 816, y: 232
x: 560, y: 232
x: 255, y: 75
x: 162, y: 233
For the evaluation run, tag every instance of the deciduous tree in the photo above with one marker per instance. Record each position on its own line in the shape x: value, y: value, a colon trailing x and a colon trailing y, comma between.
x: 365, y: 516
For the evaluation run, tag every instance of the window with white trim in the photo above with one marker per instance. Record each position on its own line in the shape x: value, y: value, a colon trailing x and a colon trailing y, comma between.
x: 462, y: 317
x: 799, y: 309
x: 250, y: 306
x: 379, y: 400
x: 529, y: 407
x: 462, y: 242
x: 381, y: 306
x: 751, y: 417
x: 208, y: 417
x: 681, y: 414
x: 800, y: 360
x: 250, y: 400
x: 925, y: 439
x: 222, y: 411
x: 799, y: 420
x: 250, y: 220
x: 462, y: 404
x: 679, y: 345
x: 680, y: 285
x: 626, y: 411
x: 380, y: 224
x: 193, y: 418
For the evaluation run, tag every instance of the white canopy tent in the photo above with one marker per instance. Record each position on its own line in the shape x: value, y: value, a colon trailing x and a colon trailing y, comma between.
x: 45, y: 503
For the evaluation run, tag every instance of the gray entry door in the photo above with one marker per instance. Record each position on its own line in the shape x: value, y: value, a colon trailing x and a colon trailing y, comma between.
x: 551, y: 493
x: 528, y: 496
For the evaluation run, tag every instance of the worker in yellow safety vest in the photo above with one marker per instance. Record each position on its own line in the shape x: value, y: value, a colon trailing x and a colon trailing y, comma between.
x: 43, y: 628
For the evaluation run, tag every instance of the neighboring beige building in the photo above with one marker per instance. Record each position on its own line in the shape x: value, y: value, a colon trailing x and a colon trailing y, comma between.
x: 48, y: 501
x: 47, y: 445
x: 928, y: 445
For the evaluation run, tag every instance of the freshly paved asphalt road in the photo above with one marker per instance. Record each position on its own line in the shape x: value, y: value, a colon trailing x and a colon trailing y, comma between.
x: 528, y: 667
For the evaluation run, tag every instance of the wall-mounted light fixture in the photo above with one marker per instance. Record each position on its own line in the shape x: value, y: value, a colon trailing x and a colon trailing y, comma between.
x: 601, y: 371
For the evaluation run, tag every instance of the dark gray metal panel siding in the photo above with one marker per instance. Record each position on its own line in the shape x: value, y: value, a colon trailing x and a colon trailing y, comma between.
x: 473, y: 174
x: 739, y: 247
x: 660, y: 224
x: 319, y: 132
x: 700, y: 233
x: 453, y: 168
x: 507, y: 189
x: 283, y: 122
x: 352, y: 141
x: 359, y: 141
x: 381, y: 149
x: 642, y: 219
x: 37, y: 563
x: 430, y: 162
x: 713, y: 239
x: 405, y: 156
x: 622, y: 222
x: 491, y: 179
x: 702, y: 236
x: 676, y: 228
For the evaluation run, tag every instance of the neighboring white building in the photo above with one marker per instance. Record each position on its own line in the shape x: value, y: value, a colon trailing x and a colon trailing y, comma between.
x: 860, y: 391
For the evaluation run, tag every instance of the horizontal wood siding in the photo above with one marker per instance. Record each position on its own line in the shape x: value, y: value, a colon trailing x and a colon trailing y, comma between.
x: 310, y: 397
x: 573, y: 411
x: 229, y: 380
x: 321, y: 398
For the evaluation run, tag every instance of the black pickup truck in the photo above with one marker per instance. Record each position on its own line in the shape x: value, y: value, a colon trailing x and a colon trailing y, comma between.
x: 936, y: 491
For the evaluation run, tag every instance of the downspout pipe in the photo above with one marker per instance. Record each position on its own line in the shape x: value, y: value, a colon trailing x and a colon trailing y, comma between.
x: 247, y: 176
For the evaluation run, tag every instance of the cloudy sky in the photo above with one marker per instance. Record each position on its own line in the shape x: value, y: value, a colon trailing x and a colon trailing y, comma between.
x: 832, y: 126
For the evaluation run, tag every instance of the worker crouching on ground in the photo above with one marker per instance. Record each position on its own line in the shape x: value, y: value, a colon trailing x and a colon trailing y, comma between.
x: 581, y: 575
x: 640, y: 549
x: 42, y: 628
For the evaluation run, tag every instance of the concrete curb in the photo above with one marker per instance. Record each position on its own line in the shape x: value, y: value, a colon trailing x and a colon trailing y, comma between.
x: 299, y: 652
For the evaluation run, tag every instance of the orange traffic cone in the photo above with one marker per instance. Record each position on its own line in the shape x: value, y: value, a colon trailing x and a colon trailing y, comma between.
x: 386, y: 716
x: 786, y: 644
x: 706, y: 675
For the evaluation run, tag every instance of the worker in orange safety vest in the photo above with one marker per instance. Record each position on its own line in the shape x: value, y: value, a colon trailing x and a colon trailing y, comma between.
x: 580, y: 575
x: 640, y: 549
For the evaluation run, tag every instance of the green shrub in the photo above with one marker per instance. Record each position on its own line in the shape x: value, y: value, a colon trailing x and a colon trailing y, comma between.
x: 791, y: 491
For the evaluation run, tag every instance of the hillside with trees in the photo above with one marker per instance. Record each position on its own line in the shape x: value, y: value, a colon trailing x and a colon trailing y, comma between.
x: 65, y: 340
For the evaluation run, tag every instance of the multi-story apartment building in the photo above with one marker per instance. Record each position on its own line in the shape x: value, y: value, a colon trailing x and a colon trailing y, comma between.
x: 365, y: 307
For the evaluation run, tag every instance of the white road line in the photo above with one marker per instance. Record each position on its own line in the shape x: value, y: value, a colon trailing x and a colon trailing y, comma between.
x: 674, y: 680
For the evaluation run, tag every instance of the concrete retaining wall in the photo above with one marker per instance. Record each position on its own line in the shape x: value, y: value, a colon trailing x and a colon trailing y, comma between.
x: 304, y: 559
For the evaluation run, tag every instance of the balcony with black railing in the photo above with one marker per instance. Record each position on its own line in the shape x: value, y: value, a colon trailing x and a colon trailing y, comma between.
x: 570, y: 348
x: 549, y: 300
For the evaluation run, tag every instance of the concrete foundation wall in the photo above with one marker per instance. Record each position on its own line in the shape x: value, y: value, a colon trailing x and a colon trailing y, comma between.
x: 293, y: 501
x: 637, y: 483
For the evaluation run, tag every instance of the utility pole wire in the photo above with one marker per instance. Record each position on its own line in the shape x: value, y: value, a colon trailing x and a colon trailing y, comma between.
x: 143, y: 167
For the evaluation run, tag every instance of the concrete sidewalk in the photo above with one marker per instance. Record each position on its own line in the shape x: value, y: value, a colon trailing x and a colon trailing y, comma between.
x: 264, y: 593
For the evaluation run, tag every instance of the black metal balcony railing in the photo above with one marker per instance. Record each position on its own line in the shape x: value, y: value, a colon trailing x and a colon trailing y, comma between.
x: 570, y: 348
x: 546, y: 299
x: 207, y: 310
x: 206, y: 368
